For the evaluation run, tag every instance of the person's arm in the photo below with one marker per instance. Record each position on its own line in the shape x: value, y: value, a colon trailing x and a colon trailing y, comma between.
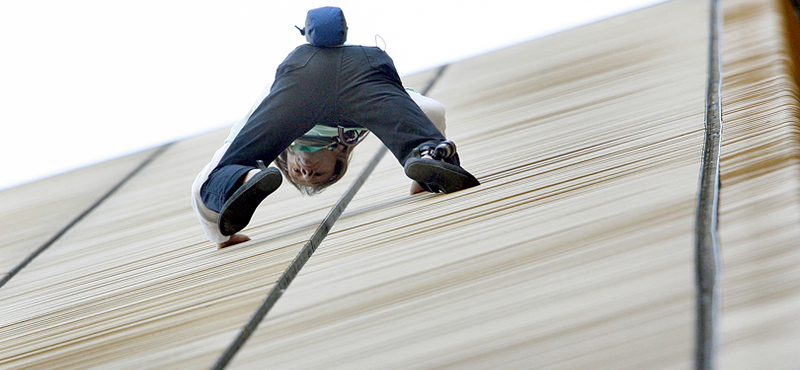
x: 436, y: 113
x: 432, y: 108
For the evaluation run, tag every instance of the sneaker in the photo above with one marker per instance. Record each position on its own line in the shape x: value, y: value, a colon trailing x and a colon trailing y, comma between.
x: 238, y: 210
x: 438, y: 175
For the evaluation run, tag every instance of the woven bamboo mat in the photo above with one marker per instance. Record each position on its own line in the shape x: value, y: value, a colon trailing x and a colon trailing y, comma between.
x: 34, y: 213
x: 760, y: 198
x: 575, y: 252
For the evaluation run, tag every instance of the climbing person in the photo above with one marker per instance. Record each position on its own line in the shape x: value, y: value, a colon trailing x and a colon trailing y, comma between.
x: 325, y: 97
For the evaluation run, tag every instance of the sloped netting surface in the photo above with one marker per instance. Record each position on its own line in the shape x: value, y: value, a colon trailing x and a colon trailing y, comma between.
x: 760, y: 198
x: 575, y: 252
x: 35, y: 213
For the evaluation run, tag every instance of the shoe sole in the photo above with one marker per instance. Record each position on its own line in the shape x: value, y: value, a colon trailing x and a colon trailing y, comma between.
x: 238, y: 210
x: 445, y: 177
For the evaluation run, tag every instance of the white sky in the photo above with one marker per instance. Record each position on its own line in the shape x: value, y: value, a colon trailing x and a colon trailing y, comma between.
x: 83, y: 81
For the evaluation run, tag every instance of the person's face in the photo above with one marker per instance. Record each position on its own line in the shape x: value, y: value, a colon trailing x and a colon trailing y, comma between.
x: 311, y: 168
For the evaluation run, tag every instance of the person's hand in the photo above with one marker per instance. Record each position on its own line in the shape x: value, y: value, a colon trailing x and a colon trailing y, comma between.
x: 235, y: 239
x: 250, y: 175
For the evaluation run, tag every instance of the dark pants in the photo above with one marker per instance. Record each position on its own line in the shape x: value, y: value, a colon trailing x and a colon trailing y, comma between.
x: 350, y: 86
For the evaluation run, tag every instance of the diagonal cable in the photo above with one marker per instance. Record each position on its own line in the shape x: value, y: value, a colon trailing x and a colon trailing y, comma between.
x: 707, y: 258
x: 80, y: 217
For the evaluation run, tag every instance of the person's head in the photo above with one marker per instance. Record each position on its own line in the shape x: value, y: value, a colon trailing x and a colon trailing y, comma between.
x: 312, y: 172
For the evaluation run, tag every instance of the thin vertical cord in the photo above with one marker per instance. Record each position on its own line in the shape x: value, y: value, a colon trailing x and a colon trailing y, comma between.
x: 707, y: 260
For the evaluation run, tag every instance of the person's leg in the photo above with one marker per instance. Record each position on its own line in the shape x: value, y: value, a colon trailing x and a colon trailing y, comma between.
x: 372, y: 96
x: 300, y: 97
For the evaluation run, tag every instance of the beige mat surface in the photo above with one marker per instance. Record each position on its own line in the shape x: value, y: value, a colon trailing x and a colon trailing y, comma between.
x: 575, y: 252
